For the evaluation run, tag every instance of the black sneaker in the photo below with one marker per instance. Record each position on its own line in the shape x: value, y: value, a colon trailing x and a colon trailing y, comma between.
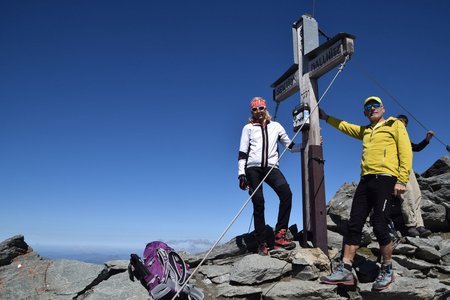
x: 423, y: 232
x: 412, y: 232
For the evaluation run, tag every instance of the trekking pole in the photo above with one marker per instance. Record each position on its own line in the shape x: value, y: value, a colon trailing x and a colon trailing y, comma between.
x: 396, y: 238
x: 259, y: 185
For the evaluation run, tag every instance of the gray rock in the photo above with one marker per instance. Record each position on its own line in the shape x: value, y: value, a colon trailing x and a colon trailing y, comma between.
x: 227, y: 290
x: 402, y: 271
x: 117, y: 265
x: 441, y: 166
x: 25, y: 278
x: 405, y: 249
x: 118, y: 286
x: 299, y: 289
x: 435, y: 186
x: 339, y: 206
x: 71, y: 277
x: 11, y: 248
x: 303, y: 272
x: 436, y: 242
x: 334, y: 239
x: 221, y: 279
x: 412, y: 263
x: 443, y: 269
x: 406, y: 289
x: 426, y: 249
x: 212, y: 271
x: 255, y: 268
x: 428, y: 254
x: 444, y: 250
x: 434, y: 215
x: 217, y: 274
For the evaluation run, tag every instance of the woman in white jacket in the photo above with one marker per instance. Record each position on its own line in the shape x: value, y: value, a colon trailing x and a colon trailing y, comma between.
x: 258, y: 153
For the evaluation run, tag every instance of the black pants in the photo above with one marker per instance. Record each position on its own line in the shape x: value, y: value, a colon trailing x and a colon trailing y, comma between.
x: 374, y: 192
x: 279, y: 184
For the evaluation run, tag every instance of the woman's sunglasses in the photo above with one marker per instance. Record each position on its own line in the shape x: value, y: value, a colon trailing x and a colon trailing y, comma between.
x: 261, y: 108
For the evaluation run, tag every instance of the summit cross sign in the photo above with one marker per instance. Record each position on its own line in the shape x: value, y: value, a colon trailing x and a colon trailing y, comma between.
x: 311, y: 61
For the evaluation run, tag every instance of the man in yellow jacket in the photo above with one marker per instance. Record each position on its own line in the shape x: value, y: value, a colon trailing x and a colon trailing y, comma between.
x: 385, y: 165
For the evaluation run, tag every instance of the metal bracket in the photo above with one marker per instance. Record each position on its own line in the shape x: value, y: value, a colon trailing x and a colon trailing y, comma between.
x: 318, y: 159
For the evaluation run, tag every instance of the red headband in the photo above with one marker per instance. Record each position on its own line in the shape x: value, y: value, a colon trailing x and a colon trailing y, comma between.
x: 257, y: 103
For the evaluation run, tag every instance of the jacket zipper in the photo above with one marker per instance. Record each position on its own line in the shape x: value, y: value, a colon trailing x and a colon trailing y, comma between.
x: 265, y: 146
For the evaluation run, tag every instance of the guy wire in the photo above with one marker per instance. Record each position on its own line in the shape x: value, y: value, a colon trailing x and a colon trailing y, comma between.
x: 377, y: 83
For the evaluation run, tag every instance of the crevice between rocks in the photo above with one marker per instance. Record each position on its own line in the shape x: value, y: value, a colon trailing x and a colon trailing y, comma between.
x: 105, y: 274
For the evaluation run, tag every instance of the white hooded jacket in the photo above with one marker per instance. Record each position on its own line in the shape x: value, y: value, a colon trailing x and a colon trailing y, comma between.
x: 259, y: 148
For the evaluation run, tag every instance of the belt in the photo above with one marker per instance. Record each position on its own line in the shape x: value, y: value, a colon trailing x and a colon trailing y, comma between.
x: 376, y: 176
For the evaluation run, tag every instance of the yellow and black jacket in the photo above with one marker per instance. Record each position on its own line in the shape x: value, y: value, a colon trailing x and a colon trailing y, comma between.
x: 386, y: 147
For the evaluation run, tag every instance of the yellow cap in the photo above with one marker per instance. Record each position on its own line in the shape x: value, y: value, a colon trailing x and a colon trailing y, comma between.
x: 374, y: 98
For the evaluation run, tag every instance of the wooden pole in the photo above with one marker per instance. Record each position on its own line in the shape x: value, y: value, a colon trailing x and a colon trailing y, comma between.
x: 310, y: 62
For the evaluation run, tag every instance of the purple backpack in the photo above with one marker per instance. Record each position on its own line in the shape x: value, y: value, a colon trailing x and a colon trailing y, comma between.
x: 165, y: 272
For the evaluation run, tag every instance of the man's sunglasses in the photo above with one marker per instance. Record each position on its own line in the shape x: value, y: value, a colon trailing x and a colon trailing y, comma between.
x: 261, y: 108
x: 370, y: 105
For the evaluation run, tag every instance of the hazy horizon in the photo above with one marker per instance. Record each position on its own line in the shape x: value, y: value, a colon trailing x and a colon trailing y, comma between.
x: 99, y: 254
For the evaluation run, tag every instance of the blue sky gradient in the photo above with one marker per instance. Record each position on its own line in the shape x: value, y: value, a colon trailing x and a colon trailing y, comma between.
x: 120, y: 120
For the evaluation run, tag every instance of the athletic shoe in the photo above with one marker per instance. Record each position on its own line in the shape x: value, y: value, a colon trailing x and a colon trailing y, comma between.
x: 282, y: 242
x: 340, y: 276
x: 384, y: 279
x: 263, y: 250
x: 423, y: 232
x: 412, y: 232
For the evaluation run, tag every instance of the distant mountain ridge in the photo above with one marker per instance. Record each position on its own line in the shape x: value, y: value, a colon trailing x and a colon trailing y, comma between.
x: 98, y: 255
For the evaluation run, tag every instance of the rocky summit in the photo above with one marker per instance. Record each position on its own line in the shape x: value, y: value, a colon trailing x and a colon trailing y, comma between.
x: 233, y: 271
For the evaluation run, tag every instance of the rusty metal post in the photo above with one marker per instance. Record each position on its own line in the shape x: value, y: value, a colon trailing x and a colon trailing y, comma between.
x: 317, y: 198
x: 305, y: 211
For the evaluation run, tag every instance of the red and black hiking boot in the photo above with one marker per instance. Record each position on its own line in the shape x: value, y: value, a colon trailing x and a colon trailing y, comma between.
x: 282, y: 242
x: 263, y: 250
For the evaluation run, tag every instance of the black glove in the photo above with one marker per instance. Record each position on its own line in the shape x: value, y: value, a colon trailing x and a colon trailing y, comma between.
x: 323, y: 115
x: 243, y: 183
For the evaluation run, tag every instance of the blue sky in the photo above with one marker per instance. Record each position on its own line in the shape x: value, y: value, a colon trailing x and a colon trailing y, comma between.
x: 120, y: 120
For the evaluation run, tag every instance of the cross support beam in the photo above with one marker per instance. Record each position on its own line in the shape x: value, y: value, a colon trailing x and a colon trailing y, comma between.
x: 311, y: 61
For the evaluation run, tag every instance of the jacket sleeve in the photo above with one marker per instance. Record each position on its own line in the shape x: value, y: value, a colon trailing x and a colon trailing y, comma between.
x: 404, y: 153
x: 420, y: 146
x: 243, y: 150
x: 355, y: 131
x: 284, y: 138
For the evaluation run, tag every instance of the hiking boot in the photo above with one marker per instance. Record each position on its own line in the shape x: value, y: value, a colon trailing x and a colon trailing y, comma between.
x: 263, y: 250
x: 282, y: 242
x: 412, y: 232
x: 423, y: 232
x: 384, y: 279
x: 340, y: 276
